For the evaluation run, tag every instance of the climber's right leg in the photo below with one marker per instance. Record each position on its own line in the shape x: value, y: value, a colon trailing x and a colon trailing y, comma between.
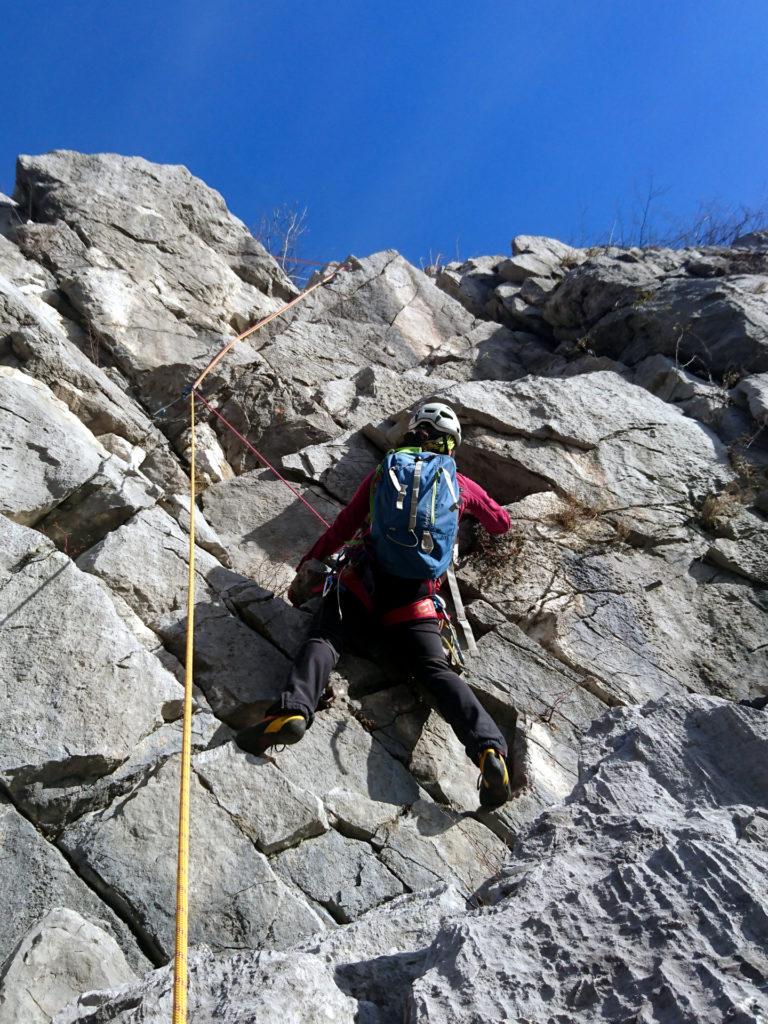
x: 339, y: 618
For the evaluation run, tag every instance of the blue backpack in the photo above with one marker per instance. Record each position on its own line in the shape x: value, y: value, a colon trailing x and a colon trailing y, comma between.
x: 415, y: 513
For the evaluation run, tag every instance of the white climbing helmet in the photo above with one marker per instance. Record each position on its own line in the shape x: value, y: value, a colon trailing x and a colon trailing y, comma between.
x: 440, y: 416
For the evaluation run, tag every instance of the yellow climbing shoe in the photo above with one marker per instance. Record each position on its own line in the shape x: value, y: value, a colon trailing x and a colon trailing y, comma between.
x: 494, y: 779
x: 272, y: 731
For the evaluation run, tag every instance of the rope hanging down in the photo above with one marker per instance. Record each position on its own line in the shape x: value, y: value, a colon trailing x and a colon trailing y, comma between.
x: 180, y: 964
x: 182, y: 870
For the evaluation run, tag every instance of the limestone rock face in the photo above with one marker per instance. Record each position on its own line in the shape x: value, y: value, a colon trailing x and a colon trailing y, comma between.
x: 612, y: 399
x: 64, y: 729
x: 647, y: 884
x: 60, y: 957
x: 47, y: 454
x: 37, y: 879
x: 156, y: 258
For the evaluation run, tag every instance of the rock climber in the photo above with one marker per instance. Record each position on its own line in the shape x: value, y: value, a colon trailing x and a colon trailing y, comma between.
x: 397, y: 535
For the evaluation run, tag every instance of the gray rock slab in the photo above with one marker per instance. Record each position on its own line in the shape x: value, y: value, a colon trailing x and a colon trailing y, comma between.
x: 239, y: 671
x: 108, y: 499
x: 263, y: 803
x: 36, y: 878
x: 71, y: 799
x: 161, y: 257
x: 714, y: 326
x: 177, y: 505
x: 128, y: 852
x: 239, y: 987
x: 339, y: 465
x: 755, y: 390
x: 283, y: 625
x: 428, y: 844
x: 746, y: 554
x: 606, y: 281
x: 264, y: 526
x: 440, y: 764
x: 59, y: 957
x: 645, y: 891
x: 343, y: 875
x: 78, y: 691
x: 381, y: 311
x: 45, y: 452
x: 338, y: 754
x: 596, y: 438
x: 519, y: 268
x: 635, y: 623
x: 50, y: 347
x: 146, y: 563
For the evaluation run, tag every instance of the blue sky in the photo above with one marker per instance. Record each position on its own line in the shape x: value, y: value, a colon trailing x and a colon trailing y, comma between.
x: 444, y: 127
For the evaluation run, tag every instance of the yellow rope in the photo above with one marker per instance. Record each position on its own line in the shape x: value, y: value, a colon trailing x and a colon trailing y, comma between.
x: 182, y: 873
x: 180, y: 967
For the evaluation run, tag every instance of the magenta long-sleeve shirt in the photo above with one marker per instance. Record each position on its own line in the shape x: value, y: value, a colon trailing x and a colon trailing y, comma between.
x: 474, y: 502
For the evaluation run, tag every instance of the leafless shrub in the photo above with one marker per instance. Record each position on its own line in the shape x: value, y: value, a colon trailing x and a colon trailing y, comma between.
x: 492, y: 555
x: 432, y: 265
x: 573, y: 514
x: 281, y: 232
x: 272, y: 576
x: 715, y: 222
x: 717, y: 509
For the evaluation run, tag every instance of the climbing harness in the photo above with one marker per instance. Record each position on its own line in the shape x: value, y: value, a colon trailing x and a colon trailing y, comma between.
x: 180, y: 964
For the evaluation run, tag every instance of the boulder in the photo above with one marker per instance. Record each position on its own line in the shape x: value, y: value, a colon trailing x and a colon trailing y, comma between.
x: 702, y: 400
x: 754, y: 389
x: 745, y: 550
x: 471, y: 282
x: 752, y: 240
x: 519, y: 268
x: 544, y: 248
x: 59, y: 957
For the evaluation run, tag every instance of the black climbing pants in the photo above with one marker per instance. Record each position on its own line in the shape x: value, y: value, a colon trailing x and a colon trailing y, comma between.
x: 342, y: 620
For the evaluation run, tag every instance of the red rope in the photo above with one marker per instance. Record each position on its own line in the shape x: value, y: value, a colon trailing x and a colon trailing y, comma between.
x: 259, y: 456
